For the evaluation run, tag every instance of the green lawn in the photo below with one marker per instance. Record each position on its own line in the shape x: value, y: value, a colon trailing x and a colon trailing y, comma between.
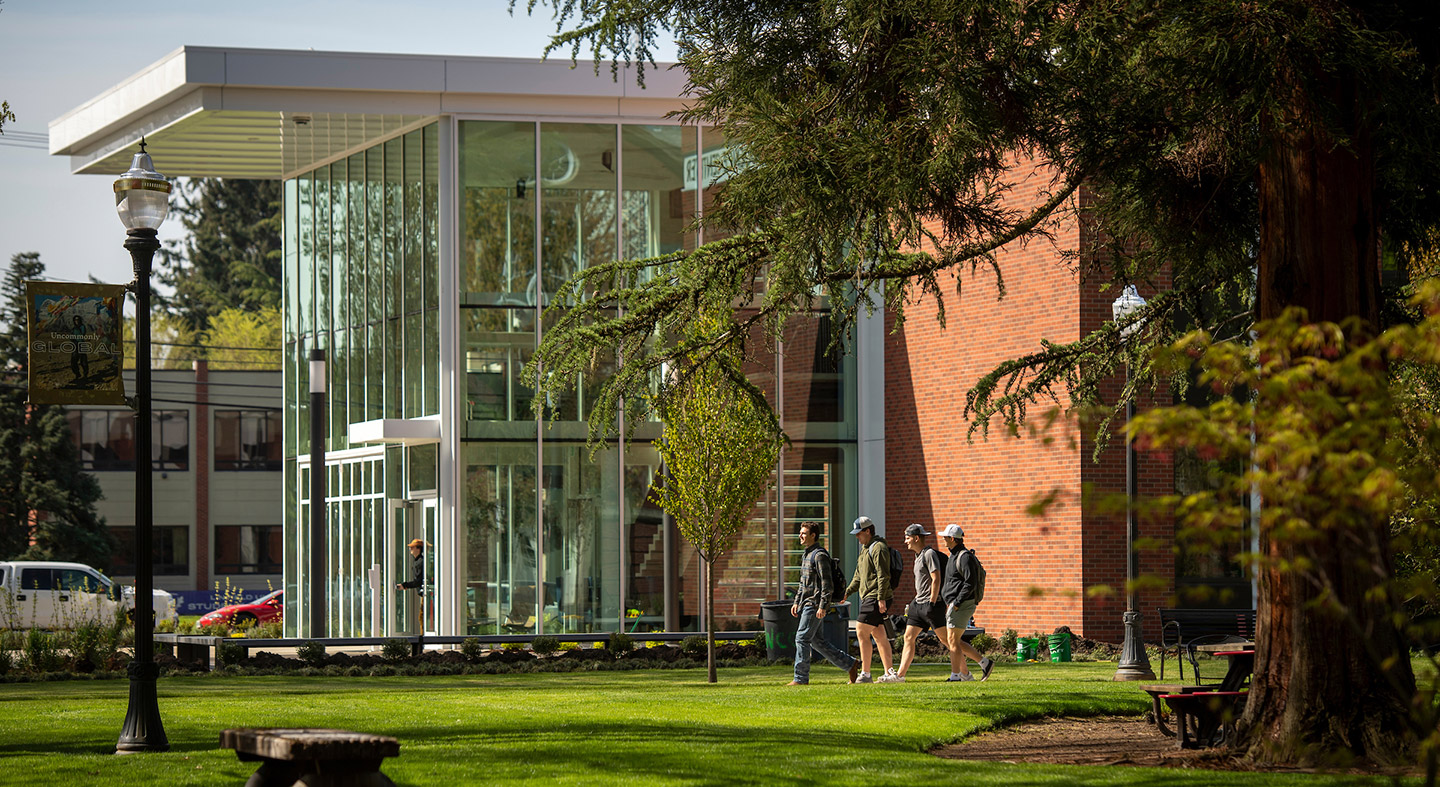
x: 653, y: 727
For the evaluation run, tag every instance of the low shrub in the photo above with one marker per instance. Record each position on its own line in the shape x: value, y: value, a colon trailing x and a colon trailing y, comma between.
x: 230, y: 653
x: 85, y: 645
x: 394, y: 650
x: 185, y: 627
x: 472, y: 649
x: 513, y: 646
x: 6, y: 662
x: 564, y: 646
x: 693, y: 646
x: 620, y: 642
x: 165, y: 627
x: 41, y: 652
x: 311, y: 652
x: 1008, y: 638
x: 545, y: 645
x: 983, y: 643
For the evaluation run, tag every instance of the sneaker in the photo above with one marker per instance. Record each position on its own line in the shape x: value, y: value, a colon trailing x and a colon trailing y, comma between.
x: 891, y: 677
x: 864, y: 678
x: 956, y: 677
x: 985, y: 666
x: 854, y: 670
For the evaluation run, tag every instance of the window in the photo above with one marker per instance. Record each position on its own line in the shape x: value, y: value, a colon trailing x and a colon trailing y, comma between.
x: 248, y: 440
x: 105, y: 439
x: 170, y: 551
x: 248, y: 549
x: 37, y: 579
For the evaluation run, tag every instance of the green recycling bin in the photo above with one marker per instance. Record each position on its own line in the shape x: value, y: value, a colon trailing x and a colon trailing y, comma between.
x: 1059, y: 647
x: 1026, y: 649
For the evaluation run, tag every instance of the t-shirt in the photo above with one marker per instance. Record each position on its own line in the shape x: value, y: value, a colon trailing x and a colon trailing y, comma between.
x: 927, y: 561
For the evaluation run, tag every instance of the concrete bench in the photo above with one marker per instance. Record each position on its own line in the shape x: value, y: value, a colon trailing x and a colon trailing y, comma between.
x: 320, y: 757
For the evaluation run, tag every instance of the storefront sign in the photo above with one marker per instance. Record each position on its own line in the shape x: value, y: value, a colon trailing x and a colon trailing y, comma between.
x: 74, y: 333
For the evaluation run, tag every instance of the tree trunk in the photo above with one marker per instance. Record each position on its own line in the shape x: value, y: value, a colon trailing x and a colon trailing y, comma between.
x: 1318, y: 693
x: 710, y: 618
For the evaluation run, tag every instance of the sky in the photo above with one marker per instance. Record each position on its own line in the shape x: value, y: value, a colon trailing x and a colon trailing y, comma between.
x: 61, y: 53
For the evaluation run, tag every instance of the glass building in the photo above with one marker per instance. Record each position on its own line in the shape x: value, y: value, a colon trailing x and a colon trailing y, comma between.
x: 432, y: 207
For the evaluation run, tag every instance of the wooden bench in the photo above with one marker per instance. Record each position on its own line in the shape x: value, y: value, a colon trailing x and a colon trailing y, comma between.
x: 1182, y: 630
x: 320, y: 757
x: 1200, y: 714
x: 1157, y: 711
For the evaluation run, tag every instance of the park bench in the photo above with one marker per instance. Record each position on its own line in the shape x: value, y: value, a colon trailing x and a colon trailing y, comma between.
x: 1183, y: 630
x: 1158, y: 706
x: 320, y: 757
x: 1199, y: 715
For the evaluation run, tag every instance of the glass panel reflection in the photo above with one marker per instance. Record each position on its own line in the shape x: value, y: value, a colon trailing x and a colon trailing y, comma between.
x: 500, y: 538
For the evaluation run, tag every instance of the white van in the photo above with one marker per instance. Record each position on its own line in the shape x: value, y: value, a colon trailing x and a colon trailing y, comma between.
x: 50, y: 594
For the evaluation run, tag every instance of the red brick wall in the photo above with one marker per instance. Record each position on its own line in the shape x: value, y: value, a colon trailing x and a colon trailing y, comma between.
x: 1039, y: 568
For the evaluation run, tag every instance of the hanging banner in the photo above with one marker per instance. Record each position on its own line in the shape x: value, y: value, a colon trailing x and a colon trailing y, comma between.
x: 74, y: 334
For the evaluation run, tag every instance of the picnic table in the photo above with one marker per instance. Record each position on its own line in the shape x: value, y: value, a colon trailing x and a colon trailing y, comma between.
x: 1242, y: 663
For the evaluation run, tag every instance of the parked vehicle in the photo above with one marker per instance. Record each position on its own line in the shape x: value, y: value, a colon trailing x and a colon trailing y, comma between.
x: 250, y: 613
x: 51, y: 594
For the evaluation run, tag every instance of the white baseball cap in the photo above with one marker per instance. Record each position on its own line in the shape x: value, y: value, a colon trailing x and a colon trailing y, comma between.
x: 953, y: 531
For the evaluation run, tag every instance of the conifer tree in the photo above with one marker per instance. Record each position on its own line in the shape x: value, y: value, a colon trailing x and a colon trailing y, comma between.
x: 47, y: 502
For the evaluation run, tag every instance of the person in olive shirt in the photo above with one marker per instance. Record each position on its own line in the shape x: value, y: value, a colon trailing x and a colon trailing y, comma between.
x: 872, y: 582
x: 926, y: 611
x: 812, y: 602
x: 958, y: 591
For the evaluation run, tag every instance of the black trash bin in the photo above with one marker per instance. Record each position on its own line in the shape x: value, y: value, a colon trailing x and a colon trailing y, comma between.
x: 835, y: 628
x: 780, y: 628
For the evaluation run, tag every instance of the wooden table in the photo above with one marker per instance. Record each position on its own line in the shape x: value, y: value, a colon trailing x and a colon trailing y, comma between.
x: 316, y: 756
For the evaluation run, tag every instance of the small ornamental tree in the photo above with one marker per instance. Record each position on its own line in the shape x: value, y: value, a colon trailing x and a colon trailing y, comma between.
x: 1335, y: 436
x: 719, y: 446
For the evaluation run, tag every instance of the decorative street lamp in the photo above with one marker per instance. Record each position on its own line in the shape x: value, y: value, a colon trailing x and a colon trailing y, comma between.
x: 1134, y: 664
x: 142, y: 198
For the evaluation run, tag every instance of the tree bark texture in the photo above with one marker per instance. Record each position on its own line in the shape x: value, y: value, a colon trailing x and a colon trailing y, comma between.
x: 710, y: 618
x: 1318, y: 692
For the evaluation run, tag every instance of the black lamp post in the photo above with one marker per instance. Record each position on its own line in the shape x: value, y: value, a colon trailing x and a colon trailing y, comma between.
x: 317, y: 494
x: 1134, y: 664
x: 142, y: 198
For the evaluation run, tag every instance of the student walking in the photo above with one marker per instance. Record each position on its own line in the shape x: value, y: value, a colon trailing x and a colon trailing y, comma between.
x: 812, y: 603
x: 926, y: 611
x: 872, y: 582
x: 960, y: 591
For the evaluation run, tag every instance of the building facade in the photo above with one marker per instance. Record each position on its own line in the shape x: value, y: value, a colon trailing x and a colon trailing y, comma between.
x: 434, y: 205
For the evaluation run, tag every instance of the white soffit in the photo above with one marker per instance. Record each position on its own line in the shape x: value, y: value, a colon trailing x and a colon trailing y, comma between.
x: 253, y: 113
x: 397, y: 431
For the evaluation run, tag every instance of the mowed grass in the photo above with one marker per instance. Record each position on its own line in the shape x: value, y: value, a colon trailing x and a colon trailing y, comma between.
x: 639, y: 727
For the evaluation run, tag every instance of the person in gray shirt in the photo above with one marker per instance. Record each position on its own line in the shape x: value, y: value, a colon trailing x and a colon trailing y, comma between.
x: 926, y: 612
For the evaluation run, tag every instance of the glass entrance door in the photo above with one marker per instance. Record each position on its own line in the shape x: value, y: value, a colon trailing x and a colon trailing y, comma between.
x: 429, y: 516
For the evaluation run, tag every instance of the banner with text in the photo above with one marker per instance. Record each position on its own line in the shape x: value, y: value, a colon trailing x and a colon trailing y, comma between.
x: 75, y: 343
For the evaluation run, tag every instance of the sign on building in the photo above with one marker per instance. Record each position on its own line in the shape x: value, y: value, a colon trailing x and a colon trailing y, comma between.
x: 74, y: 333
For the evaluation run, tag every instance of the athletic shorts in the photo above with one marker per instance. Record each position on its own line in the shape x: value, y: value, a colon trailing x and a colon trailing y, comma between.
x: 870, y: 613
x: 925, y: 615
x: 959, y: 615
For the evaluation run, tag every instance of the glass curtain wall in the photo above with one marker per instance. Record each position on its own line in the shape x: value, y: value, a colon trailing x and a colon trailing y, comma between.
x: 361, y: 282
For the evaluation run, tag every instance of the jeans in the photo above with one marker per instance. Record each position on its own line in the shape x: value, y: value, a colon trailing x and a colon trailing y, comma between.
x: 808, y: 636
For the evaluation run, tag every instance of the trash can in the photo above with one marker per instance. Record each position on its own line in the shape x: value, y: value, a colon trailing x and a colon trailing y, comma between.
x: 1059, y: 647
x: 835, y: 628
x: 1026, y: 648
x: 779, y: 630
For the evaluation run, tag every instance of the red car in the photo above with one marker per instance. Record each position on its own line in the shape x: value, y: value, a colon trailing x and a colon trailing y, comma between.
x: 261, y: 610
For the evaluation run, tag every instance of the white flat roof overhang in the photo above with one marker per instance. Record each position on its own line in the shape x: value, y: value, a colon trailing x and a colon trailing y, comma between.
x: 263, y: 114
x: 396, y: 431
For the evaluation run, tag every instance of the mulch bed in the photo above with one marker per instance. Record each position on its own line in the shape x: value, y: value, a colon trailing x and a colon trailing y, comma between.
x: 1110, y: 740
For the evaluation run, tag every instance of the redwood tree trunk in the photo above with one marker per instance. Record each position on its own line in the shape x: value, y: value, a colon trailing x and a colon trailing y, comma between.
x: 1318, y: 694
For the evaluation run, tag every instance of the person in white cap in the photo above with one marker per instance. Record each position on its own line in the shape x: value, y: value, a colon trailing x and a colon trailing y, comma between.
x: 872, y: 582
x: 959, y: 593
x: 926, y: 611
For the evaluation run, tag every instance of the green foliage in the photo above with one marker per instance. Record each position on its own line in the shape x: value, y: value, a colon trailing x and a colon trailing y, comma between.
x: 311, y: 652
x: 472, y: 649
x: 984, y: 643
x: 244, y: 339
x: 395, y: 649
x: 231, y: 257
x: 693, y: 645
x: 545, y: 645
x: 42, y: 653
x: 1008, y: 639
x: 230, y: 652
x: 620, y: 642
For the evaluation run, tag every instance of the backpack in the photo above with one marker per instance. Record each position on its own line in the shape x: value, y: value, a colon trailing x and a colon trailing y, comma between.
x: 897, y: 564
x: 979, y: 577
x: 837, y: 581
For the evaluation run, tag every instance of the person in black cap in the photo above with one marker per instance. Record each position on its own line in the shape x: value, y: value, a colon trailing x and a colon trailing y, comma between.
x: 926, y: 612
x: 872, y: 582
x: 417, y: 567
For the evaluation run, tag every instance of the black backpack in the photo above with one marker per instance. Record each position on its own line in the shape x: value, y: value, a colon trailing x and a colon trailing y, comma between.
x: 979, y: 578
x: 837, y: 581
